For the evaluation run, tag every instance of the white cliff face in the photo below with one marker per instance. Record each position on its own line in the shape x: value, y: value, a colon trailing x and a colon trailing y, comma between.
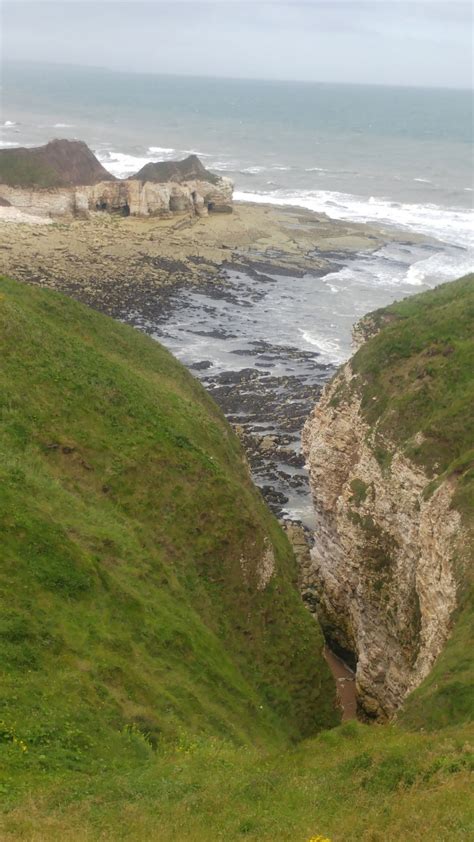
x: 382, y: 569
x: 137, y: 198
x: 261, y: 573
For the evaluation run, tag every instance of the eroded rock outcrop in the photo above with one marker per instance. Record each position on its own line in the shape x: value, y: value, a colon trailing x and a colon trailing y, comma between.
x: 65, y: 179
x: 389, y: 543
x: 189, y: 169
x: 128, y: 198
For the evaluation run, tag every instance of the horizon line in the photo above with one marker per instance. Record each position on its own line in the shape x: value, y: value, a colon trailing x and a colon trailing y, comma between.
x: 115, y: 70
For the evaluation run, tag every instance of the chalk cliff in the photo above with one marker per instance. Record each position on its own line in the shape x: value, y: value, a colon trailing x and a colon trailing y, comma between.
x: 387, y: 469
x: 65, y: 179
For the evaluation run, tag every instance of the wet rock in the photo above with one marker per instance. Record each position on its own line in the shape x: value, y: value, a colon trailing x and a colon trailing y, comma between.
x: 273, y: 496
x: 200, y: 366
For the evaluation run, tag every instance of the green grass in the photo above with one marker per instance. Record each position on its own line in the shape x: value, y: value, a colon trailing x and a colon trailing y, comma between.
x: 355, y: 782
x: 150, y: 689
x: 447, y: 694
x: 17, y: 170
x: 131, y: 539
x: 415, y: 376
x: 359, y: 491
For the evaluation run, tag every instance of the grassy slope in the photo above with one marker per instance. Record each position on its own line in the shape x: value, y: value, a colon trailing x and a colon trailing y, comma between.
x: 19, y: 171
x: 57, y: 164
x: 415, y: 376
x: 355, y: 782
x: 382, y: 784
x: 131, y: 536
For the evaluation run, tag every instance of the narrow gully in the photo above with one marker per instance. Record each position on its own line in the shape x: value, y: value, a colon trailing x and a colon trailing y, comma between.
x: 345, y: 684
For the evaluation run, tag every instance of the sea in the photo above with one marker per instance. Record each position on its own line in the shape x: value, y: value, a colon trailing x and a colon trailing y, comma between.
x: 400, y: 158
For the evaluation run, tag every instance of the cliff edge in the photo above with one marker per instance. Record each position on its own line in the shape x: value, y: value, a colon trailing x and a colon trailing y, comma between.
x: 391, y: 467
x: 144, y: 582
x: 65, y: 179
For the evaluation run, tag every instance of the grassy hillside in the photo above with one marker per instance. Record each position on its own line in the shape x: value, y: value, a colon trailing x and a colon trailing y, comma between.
x: 153, y: 686
x: 355, y: 782
x: 132, y: 545
x: 417, y: 376
x: 59, y: 163
x: 19, y: 171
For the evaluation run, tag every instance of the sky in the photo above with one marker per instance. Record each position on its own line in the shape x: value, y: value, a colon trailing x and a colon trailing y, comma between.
x: 393, y: 42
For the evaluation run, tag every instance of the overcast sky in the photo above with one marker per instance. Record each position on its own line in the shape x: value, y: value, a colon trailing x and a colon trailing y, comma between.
x: 377, y: 41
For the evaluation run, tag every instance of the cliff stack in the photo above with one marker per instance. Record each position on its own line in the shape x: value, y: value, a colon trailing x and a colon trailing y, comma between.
x: 65, y: 179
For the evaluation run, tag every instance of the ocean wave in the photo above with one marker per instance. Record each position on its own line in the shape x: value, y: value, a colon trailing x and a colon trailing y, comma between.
x: 449, y: 225
x: 330, y: 349
x: 393, y: 268
x: 123, y: 164
x: 252, y: 170
x: 441, y: 266
x: 120, y: 164
x: 224, y: 166
x: 195, y: 152
x: 423, y: 180
x: 256, y: 169
x: 161, y: 150
x: 8, y: 124
x: 55, y: 126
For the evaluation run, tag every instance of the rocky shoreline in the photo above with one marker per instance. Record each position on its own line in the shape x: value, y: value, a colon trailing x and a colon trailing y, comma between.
x: 103, y: 257
x: 156, y: 274
x: 139, y: 270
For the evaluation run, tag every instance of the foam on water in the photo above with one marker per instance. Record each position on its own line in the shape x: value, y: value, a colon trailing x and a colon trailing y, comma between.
x: 123, y: 165
x: 164, y: 151
x: 120, y: 164
x: 443, y: 266
x: 330, y: 349
x: 252, y: 170
x: 450, y: 226
x: 224, y: 166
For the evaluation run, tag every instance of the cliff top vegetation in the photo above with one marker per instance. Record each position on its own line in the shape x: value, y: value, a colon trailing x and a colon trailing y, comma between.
x: 68, y: 163
x: 189, y: 169
x: 152, y: 688
x: 59, y: 163
x: 416, y: 381
x: 415, y: 378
